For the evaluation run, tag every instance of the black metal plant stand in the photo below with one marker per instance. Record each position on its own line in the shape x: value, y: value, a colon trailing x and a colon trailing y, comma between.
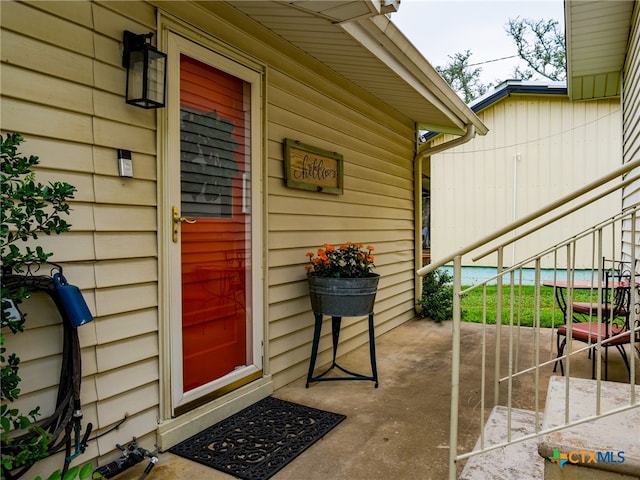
x: 336, y: 322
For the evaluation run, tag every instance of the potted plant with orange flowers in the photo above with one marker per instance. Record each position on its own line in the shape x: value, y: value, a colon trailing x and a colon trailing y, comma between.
x: 341, y: 282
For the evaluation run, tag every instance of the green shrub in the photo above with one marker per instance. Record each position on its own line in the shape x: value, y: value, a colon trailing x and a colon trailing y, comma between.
x: 436, y: 301
x: 29, y: 209
x: 81, y: 473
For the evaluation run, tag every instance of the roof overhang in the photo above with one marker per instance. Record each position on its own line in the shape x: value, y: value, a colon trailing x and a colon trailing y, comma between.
x: 505, y: 90
x: 517, y: 87
x: 596, y: 36
x: 358, y: 41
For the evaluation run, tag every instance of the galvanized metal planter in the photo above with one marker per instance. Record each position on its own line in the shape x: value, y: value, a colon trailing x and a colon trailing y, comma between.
x: 343, y: 297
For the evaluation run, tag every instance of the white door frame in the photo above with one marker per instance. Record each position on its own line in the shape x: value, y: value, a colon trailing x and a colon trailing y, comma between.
x: 170, y: 303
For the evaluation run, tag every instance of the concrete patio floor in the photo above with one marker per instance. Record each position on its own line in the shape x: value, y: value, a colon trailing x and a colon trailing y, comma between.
x: 401, y: 429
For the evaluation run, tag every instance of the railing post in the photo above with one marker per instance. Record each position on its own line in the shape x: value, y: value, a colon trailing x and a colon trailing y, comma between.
x: 536, y: 325
x: 496, y: 383
x: 568, y: 320
x: 634, y: 321
x: 455, y: 365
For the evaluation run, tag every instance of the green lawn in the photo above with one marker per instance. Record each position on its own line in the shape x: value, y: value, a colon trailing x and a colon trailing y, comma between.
x: 472, y: 305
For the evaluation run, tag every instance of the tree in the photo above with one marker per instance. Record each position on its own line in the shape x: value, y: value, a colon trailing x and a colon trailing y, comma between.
x: 540, y: 44
x: 462, y: 78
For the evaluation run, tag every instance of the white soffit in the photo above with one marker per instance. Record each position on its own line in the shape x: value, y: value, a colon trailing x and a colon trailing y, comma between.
x: 337, y: 11
x: 597, y: 34
x: 354, y: 40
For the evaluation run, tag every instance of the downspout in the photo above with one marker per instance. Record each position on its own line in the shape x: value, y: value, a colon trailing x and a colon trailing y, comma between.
x: 423, y: 153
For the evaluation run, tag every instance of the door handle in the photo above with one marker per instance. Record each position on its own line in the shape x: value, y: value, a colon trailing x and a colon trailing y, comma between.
x: 176, y: 220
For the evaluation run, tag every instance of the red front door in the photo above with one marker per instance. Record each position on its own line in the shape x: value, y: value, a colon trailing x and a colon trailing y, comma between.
x: 214, y: 223
x: 212, y: 303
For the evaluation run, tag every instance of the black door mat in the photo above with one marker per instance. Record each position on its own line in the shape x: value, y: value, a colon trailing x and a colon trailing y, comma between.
x: 257, y: 442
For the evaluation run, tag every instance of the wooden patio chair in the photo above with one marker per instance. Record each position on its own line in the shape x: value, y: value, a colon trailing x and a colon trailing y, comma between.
x: 614, y: 329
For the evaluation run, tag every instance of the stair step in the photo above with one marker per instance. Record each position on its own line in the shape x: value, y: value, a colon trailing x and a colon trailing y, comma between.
x: 614, y: 433
x: 517, y: 461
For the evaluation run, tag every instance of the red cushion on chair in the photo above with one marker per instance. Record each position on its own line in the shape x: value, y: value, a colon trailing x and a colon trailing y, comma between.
x: 582, y: 331
x: 591, y: 309
x: 588, y: 331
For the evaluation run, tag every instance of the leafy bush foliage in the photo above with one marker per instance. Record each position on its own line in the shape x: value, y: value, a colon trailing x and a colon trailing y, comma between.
x: 29, y: 208
x: 80, y: 473
x: 436, y: 302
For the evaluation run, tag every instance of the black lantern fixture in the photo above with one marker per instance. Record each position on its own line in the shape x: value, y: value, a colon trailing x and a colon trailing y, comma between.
x: 146, y: 71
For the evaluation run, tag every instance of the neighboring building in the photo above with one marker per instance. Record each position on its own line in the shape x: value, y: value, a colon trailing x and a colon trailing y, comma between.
x: 243, y: 77
x: 540, y: 147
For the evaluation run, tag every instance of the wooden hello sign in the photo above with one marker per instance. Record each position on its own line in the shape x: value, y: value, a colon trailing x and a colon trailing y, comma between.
x: 311, y: 168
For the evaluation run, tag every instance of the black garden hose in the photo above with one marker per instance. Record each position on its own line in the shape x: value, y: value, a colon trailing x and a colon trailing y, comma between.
x: 60, y: 424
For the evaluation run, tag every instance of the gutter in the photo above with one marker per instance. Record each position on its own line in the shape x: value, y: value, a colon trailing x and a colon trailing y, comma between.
x: 428, y: 151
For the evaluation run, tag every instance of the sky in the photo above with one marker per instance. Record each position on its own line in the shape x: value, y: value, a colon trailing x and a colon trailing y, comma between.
x: 438, y: 28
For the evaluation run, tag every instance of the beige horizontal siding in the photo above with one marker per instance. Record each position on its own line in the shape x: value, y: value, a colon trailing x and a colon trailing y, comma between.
x: 126, y: 272
x: 83, y: 182
x: 47, y: 28
x: 44, y: 398
x: 141, y: 425
x: 120, y: 354
x: 110, y: 78
x: 33, y: 119
x: 135, y: 15
x: 71, y: 11
x: 58, y: 62
x: 128, y: 298
x: 378, y: 179
x: 138, y: 322
x: 62, y: 94
x: 40, y: 374
x: 60, y: 155
x: 277, y: 223
x: 81, y: 274
x: 113, y: 382
x: 130, y: 137
x: 63, y: 88
x: 130, y: 217
x: 49, y: 338
x: 83, y: 246
x: 126, y: 191
x: 109, y: 107
x: 144, y: 397
x: 124, y: 244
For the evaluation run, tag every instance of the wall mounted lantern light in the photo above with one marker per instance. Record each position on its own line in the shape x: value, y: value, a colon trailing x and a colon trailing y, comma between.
x: 146, y: 71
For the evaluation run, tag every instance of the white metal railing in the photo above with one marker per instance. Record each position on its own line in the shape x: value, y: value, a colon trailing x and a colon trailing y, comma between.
x: 509, y: 279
